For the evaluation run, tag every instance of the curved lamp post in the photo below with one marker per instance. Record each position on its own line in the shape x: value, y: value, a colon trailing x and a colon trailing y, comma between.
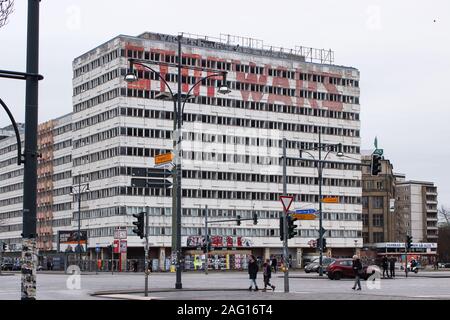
x: 319, y: 164
x: 179, y: 104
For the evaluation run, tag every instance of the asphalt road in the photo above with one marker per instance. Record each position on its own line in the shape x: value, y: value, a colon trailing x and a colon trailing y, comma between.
x: 228, y: 285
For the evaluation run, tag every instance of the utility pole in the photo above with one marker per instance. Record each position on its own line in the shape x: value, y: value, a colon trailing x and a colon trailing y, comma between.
x: 206, y: 239
x: 285, y: 233
x: 29, y: 252
x: 147, y: 211
x: 178, y: 284
x: 319, y: 169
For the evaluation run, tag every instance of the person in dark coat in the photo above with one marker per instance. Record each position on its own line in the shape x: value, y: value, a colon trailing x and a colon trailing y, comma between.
x: 267, y: 272
x: 274, y: 264
x: 252, y: 271
x: 385, y: 266
x: 392, y: 262
x: 357, y: 269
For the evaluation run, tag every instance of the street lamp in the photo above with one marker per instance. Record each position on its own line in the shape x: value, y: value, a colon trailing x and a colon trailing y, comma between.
x: 179, y: 104
x: 319, y: 164
x: 79, y: 190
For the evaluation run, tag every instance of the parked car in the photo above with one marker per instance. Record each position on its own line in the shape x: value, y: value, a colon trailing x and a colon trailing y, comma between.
x: 7, y: 266
x: 342, y: 268
x: 314, y: 265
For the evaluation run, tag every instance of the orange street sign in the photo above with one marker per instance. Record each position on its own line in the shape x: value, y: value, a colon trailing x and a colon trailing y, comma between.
x: 163, y: 158
x: 305, y: 216
x: 331, y: 200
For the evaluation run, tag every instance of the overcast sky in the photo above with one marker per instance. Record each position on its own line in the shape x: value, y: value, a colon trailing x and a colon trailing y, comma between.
x: 402, y: 49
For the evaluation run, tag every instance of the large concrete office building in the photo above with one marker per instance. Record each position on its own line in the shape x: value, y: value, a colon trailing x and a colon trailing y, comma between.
x: 232, y: 147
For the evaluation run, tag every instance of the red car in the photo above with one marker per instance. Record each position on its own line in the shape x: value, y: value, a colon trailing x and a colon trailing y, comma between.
x: 342, y: 268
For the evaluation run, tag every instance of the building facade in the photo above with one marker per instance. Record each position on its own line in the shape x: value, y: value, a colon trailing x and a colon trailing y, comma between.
x: 232, y: 147
x: 417, y: 202
x: 380, y: 221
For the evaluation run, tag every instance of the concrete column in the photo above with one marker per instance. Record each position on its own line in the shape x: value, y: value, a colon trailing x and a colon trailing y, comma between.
x: 162, y: 258
x: 299, y: 257
x: 266, y: 253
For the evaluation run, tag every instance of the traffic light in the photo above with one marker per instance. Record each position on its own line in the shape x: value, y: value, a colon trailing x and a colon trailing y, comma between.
x: 376, y: 164
x: 238, y: 220
x: 318, y: 243
x: 324, y: 244
x: 139, y: 230
x: 4, y: 246
x: 408, y: 242
x: 255, y: 218
x: 281, y: 228
x: 206, y: 245
x: 291, y: 227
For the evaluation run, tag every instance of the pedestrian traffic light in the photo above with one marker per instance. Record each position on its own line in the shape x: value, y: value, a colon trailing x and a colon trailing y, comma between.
x: 206, y: 245
x: 238, y: 220
x: 408, y: 242
x: 324, y: 244
x: 291, y: 227
x: 255, y: 218
x: 376, y: 164
x: 139, y: 230
x: 318, y: 243
x: 281, y: 228
x: 4, y: 246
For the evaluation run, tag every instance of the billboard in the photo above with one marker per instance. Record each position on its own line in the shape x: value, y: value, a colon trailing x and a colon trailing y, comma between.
x: 219, y: 241
x: 68, y: 241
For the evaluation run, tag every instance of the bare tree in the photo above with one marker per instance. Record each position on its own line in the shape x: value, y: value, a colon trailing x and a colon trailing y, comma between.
x: 6, y: 8
x: 444, y: 214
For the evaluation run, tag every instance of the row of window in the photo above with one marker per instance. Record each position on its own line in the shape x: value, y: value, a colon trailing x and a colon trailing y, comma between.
x: 11, y: 201
x: 377, y: 202
x: 62, y: 160
x: 10, y: 148
x: 62, y: 129
x: 62, y: 175
x: 98, y: 81
x: 62, y: 145
x: 110, y: 56
x: 239, y: 67
x: 109, y: 95
x: 118, y: 151
x: 12, y: 187
x: 11, y: 174
x: 377, y: 220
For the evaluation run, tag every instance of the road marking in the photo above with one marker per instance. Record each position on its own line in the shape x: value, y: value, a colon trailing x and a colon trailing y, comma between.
x: 128, y: 297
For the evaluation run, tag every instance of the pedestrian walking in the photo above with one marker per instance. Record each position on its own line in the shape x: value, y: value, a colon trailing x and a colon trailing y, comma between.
x: 392, y: 262
x: 252, y: 271
x: 385, y: 266
x: 267, y: 273
x: 357, y: 269
x: 274, y: 264
x: 135, y: 267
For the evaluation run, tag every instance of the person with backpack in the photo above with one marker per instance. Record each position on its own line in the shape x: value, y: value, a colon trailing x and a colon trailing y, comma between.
x: 267, y: 273
x: 252, y: 272
x: 357, y: 269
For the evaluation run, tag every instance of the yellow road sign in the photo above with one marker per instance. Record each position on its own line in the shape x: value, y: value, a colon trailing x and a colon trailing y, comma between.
x: 304, y: 216
x: 331, y: 200
x: 163, y: 158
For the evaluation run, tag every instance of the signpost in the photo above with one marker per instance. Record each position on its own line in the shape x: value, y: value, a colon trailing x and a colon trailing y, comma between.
x: 330, y: 200
x: 305, y: 211
x: 164, y: 158
x: 304, y: 216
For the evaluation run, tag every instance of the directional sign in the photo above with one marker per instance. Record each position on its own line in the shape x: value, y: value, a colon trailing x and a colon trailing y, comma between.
x: 163, y: 158
x: 150, y: 183
x: 286, y: 201
x: 304, y: 216
x: 378, y: 151
x: 331, y: 200
x: 305, y: 211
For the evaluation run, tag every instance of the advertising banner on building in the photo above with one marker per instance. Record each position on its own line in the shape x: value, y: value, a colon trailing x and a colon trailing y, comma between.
x: 219, y: 241
x: 68, y: 241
